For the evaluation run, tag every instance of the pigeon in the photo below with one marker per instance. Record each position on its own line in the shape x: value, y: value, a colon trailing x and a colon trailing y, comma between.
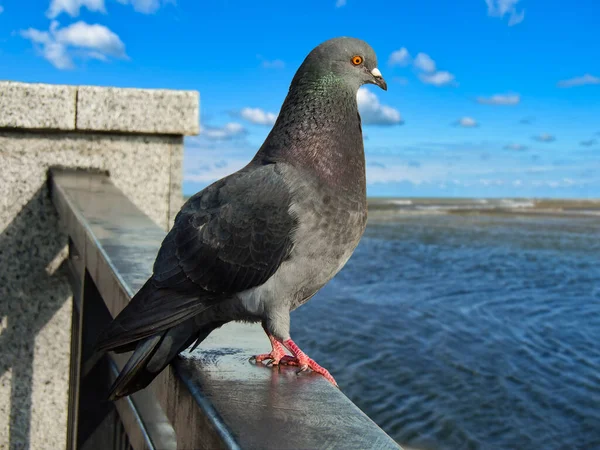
x: 257, y: 244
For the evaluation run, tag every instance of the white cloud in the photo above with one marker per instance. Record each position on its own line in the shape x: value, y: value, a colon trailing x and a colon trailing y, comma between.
x: 394, y: 172
x: 467, y: 173
x: 501, y: 8
x: 144, y: 6
x: 59, y: 45
x: 72, y: 7
x: 500, y: 99
x: 516, y: 18
x: 424, y: 62
x: 428, y: 75
x: 467, y: 122
x: 544, y: 137
x: 206, y: 161
x: 373, y: 112
x: 396, y: 169
x: 399, y: 58
x: 258, y: 116
x: 272, y: 64
x: 579, y: 81
x: 213, y: 172
x: 441, y: 78
x: 340, y: 3
x: 516, y: 147
x: 229, y: 131
x: 96, y: 37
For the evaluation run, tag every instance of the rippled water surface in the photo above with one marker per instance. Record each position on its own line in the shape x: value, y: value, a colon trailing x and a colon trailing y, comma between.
x: 468, y: 331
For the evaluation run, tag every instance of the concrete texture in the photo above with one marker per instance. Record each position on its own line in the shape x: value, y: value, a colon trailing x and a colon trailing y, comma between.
x: 137, y: 110
x: 176, y: 200
x: 37, y: 106
x: 92, y: 108
x: 35, y: 296
x: 139, y: 165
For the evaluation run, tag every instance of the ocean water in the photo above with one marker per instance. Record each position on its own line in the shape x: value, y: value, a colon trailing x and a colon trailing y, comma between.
x: 476, y: 329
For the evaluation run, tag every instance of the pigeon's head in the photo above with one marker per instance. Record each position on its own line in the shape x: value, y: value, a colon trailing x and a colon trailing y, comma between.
x: 347, y: 58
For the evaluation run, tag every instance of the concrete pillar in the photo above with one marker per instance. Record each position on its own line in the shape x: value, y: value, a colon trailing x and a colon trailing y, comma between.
x: 137, y: 136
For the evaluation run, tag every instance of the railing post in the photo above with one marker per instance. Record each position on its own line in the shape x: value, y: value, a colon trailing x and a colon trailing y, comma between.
x: 75, y: 274
x: 136, y: 136
x: 95, y: 423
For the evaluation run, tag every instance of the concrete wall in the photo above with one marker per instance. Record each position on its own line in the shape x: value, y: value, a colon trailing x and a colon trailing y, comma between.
x: 137, y: 135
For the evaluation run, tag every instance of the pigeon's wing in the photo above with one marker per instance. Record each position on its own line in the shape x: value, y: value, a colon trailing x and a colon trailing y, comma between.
x: 228, y: 238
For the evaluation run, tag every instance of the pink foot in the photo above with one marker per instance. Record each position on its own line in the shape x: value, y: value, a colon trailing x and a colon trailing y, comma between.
x: 288, y: 360
x: 304, y: 362
x: 275, y: 356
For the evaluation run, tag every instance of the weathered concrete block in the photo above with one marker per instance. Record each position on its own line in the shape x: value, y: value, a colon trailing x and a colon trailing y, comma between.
x: 35, y: 297
x: 37, y: 106
x: 155, y: 111
x: 135, y: 135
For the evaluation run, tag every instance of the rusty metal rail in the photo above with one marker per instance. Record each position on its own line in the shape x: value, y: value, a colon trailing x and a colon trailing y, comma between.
x: 211, y: 398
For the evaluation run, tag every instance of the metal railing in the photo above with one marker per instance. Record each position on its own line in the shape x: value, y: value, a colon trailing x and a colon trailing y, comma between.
x: 210, y: 398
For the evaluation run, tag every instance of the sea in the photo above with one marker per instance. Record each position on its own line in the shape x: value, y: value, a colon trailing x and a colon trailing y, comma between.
x: 468, y: 324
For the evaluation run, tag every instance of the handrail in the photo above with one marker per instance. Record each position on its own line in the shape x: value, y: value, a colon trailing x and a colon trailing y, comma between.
x: 210, y: 398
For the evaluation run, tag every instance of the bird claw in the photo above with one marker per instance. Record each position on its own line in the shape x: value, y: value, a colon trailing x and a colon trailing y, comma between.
x: 304, y: 362
x: 274, y: 357
x: 303, y: 368
x: 288, y: 360
x: 277, y: 357
x: 313, y: 366
x: 318, y: 369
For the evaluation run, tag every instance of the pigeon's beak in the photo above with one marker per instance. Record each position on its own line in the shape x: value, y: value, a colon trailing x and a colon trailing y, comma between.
x: 379, y: 81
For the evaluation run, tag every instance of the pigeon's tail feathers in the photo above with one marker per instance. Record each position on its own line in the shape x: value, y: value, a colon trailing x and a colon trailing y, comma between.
x: 135, y: 375
x: 152, y: 310
x: 153, y: 354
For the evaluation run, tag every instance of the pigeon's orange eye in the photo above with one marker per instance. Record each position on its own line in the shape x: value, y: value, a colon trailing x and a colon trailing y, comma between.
x: 357, y: 60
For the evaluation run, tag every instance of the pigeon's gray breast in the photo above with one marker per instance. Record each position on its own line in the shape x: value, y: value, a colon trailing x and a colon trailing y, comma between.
x: 330, y: 224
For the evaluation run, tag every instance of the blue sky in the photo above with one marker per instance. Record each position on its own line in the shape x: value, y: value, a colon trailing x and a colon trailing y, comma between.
x: 487, y: 98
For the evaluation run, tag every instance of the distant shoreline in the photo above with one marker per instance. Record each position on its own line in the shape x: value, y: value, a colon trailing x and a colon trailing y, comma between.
x: 496, y: 206
x: 382, y: 207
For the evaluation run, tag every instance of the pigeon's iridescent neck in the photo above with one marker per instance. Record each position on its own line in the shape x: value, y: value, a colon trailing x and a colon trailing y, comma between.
x: 319, y: 129
x: 328, y: 83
